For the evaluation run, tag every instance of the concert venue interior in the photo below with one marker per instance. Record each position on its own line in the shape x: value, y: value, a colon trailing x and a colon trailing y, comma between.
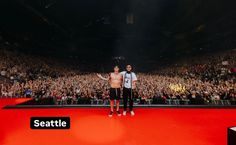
x: 56, y: 56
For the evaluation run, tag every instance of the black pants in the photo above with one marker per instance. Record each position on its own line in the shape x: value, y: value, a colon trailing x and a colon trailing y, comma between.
x: 128, y: 95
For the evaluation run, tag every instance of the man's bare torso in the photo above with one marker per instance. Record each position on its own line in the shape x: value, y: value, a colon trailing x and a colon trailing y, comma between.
x: 115, y: 80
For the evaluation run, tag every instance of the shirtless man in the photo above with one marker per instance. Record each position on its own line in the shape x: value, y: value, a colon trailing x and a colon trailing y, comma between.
x: 115, y: 81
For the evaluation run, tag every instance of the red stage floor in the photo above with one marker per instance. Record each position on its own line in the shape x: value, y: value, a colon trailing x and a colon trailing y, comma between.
x: 93, y: 127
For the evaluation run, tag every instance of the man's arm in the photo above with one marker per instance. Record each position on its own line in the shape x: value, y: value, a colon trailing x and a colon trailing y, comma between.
x: 134, y: 81
x: 122, y: 78
x: 134, y: 77
x: 103, y: 78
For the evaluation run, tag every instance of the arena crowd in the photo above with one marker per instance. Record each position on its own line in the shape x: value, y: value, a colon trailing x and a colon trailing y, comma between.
x: 206, y: 79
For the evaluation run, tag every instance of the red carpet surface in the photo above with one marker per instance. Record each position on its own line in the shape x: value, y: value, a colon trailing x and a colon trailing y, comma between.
x: 91, y: 126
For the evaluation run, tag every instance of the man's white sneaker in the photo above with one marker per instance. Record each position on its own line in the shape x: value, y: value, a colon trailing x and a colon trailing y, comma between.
x: 124, y: 113
x: 132, y: 113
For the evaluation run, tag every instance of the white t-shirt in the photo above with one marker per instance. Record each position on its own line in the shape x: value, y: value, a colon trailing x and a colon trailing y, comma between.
x: 127, y: 79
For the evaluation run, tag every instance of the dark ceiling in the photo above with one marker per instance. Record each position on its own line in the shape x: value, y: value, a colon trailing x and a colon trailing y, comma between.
x: 100, y: 27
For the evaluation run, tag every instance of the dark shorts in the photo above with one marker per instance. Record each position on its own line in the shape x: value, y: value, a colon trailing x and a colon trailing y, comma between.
x: 114, y: 93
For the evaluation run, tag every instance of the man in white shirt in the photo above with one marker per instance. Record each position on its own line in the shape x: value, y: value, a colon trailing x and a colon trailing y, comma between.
x: 129, y: 84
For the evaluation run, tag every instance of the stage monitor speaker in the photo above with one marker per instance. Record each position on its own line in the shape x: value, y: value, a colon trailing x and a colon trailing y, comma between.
x: 232, y: 136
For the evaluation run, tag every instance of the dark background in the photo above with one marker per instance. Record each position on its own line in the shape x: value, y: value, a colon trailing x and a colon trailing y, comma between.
x: 97, y: 30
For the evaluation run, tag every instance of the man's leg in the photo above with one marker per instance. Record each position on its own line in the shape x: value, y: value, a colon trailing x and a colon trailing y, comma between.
x: 131, y: 102
x: 112, y: 97
x: 117, y: 99
x: 125, y: 100
x: 112, y: 105
x: 118, y: 102
x: 112, y: 108
x: 117, y: 105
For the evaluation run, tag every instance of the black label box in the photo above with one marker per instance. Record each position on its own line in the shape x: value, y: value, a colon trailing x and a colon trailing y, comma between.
x: 50, y: 122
